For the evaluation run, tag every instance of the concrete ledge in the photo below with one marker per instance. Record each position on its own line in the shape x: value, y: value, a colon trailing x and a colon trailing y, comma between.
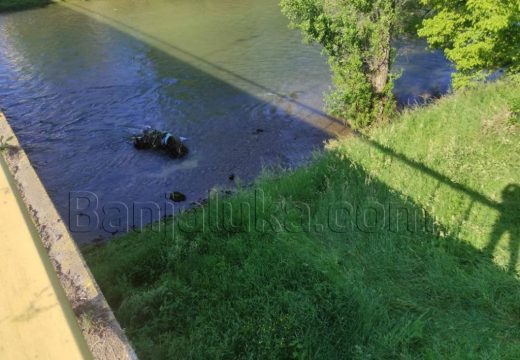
x: 105, y: 338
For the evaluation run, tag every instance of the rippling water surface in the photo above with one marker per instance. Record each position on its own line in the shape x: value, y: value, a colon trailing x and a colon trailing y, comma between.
x: 76, y: 80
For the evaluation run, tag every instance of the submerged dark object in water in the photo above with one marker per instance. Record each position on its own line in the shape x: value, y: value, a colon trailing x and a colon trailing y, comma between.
x: 160, y: 140
x: 177, y: 196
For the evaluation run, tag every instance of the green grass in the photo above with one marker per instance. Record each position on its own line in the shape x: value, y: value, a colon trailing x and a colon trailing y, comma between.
x: 439, y: 291
x: 13, y: 5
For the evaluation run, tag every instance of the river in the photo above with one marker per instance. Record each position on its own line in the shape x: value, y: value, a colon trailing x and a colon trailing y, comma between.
x: 78, y: 78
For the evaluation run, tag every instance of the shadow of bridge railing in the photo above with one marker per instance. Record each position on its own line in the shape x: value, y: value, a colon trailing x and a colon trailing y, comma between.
x: 474, y: 195
x: 156, y: 40
x: 508, y: 220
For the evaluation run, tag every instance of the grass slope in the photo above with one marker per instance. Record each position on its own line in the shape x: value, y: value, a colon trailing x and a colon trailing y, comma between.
x: 339, y: 291
x: 13, y: 5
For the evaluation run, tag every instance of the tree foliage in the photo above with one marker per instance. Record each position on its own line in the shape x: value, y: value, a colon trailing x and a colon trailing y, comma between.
x: 13, y: 5
x: 478, y: 36
x: 357, y: 36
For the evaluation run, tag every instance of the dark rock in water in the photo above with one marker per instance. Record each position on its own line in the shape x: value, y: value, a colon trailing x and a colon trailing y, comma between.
x: 258, y: 131
x: 231, y: 177
x: 160, y: 140
x: 177, y: 196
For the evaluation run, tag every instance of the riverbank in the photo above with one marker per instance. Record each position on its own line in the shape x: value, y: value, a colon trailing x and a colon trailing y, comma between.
x: 403, y: 243
x: 15, y: 5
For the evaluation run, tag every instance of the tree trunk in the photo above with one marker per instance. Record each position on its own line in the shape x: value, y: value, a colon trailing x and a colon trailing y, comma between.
x: 380, y: 71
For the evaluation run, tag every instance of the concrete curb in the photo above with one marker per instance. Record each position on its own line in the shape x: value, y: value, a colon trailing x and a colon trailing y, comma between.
x: 105, y: 338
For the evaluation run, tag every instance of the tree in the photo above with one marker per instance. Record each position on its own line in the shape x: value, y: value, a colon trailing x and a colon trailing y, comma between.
x: 357, y: 37
x: 478, y: 36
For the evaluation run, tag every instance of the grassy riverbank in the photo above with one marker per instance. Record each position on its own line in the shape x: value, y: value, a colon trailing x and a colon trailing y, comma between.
x: 13, y: 5
x: 380, y: 289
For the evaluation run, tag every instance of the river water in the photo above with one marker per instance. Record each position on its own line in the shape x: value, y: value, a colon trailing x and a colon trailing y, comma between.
x: 78, y: 78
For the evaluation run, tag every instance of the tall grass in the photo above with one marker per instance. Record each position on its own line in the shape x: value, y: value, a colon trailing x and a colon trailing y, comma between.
x: 365, y: 292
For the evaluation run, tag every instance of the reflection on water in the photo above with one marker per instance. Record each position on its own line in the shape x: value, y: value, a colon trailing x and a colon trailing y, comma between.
x: 77, y: 80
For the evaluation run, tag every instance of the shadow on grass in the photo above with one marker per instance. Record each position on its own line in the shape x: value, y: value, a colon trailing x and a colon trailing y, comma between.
x: 329, y: 292
x: 434, y: 174
x: 508, y: 221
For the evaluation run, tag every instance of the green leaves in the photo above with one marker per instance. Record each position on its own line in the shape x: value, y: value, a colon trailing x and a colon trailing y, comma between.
x: 356, y: 36
x: 478, y: 36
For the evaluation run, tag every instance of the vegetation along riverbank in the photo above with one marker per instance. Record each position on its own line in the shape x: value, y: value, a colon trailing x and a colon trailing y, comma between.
x: 14, y: 5
x: 369, y: 287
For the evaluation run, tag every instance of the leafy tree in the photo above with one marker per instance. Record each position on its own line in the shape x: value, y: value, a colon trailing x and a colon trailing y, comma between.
x: 357, y: 37
x: 478, y: 36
